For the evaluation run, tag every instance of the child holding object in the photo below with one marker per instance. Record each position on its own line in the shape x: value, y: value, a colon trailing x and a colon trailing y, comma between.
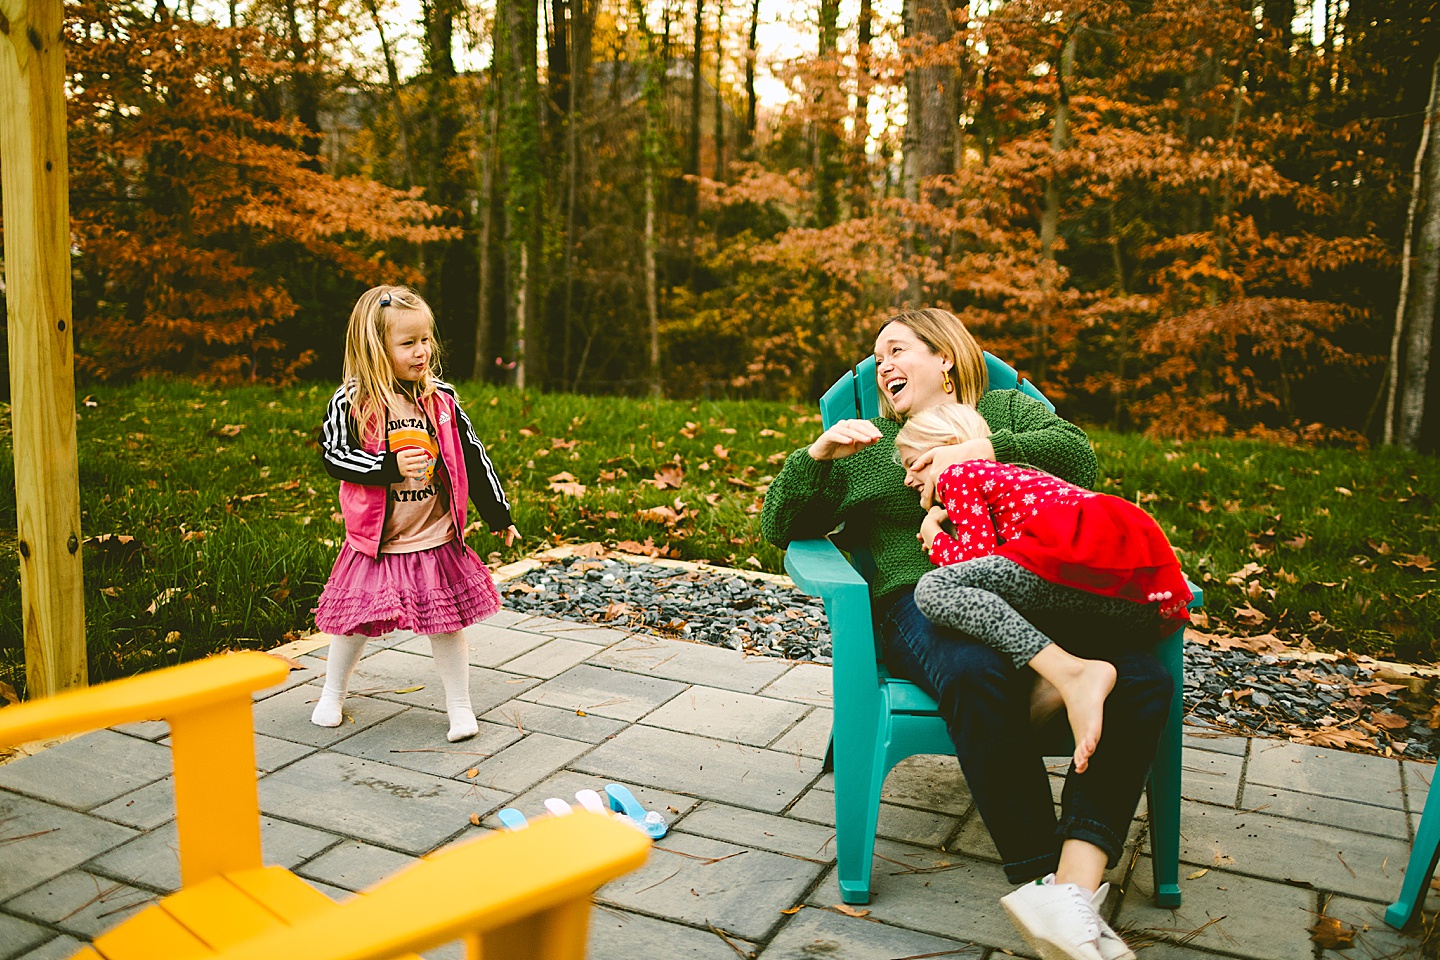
x: 1025, y: 543
x: 408, y: 461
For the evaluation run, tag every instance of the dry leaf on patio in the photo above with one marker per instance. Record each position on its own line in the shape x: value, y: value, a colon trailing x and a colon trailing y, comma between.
x: 850, y: 911
x: 475, y: 819
x: 615, y: 609
x: 1197, y: 874
x: 289, y: 662
x: 793, y: 910
x: 591, y: 549
x: 1332, y: 934
x: 1329, y: 737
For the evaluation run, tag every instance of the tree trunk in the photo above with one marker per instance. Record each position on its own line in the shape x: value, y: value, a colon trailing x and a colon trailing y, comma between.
x: 692, y: 163
x: 719, y: 98
x: 750, y: 54
x: 306, y: 85
x: 1050, y: 215
x: 489, y: 159
x: 520, y: 148
x: 864, y: 82
x: 1419, y: 286
x: 654, y: 104
x: 392, y: 76
x: 930, y: 94
x: 579, y: 109
x: 825, y: 138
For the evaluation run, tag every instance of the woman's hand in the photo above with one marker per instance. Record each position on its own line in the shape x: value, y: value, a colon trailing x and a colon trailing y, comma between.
x: 931, y: 525
x: 846, y: 438
x: 926, y: 468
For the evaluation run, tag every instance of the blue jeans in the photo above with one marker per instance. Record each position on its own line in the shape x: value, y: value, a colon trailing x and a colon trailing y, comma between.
x: 985, y: 702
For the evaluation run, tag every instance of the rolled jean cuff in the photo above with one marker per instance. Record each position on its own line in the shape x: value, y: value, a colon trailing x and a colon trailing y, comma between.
x: 1093, y: 832
x: 1023, y: 871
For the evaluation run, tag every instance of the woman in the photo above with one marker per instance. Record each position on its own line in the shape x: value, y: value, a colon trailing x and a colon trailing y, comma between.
x: 991, y: 709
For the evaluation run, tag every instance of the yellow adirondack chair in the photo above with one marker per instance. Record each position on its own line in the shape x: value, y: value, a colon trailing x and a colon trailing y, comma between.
x: 523, y: 895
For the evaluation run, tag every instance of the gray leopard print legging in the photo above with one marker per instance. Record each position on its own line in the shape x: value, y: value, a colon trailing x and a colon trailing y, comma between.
x: 988, y: 597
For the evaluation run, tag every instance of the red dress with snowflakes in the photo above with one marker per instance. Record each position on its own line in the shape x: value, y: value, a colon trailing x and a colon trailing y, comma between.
x: 1060, y: 532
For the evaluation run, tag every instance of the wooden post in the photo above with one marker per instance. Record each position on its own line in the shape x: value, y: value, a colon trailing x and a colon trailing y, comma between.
x: 34, y: 186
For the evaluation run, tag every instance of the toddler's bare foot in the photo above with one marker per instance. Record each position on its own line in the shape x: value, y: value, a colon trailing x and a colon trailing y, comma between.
x: 1084, y: 694
x: 1045, y: 701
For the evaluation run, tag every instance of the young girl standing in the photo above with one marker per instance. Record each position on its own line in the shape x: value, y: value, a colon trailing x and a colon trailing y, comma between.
x: 1025, y: 543
x: 408, y: 460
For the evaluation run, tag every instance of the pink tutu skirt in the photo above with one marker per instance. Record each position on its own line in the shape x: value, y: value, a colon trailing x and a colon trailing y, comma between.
x: 440, y: 590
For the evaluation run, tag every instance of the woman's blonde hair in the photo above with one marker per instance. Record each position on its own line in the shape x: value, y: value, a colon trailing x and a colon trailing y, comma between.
x: 939, y: 425
x: 945, y: 334
x: 368, y: 373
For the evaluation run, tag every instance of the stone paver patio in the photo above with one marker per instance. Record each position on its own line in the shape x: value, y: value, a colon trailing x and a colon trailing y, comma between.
x: 730, y: 748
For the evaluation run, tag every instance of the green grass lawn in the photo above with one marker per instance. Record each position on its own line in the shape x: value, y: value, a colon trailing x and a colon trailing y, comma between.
x: 234, y: 530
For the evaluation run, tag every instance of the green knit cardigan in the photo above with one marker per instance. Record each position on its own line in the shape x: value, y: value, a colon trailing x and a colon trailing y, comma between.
x: 867, y: 493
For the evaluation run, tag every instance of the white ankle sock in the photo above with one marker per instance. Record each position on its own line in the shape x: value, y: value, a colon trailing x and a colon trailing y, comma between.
x: 452, y: 663
x: 340, y: 662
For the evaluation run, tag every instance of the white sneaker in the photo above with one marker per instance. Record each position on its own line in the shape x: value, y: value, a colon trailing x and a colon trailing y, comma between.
x: 1112, y: 946
x: 1057, y: 919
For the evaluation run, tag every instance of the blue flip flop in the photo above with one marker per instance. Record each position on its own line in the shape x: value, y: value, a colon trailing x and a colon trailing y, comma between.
x: 512, y: 819
x: 651, y: 822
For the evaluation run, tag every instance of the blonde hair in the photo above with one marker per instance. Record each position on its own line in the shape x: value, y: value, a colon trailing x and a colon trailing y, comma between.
x: 940, y: 425
x: 945, y: 334
x: 368, y: 373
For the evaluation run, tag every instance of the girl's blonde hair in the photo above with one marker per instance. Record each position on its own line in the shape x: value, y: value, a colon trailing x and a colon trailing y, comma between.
x: 937, y: 426
x: 368, y: 373
x: 945, y: 334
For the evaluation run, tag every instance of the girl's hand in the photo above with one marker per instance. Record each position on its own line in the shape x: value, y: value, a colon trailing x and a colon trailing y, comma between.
x: 846, y: 438
x: 930, y: 526
x: 926, y: 468
x: 413, y: 462
x: 509, y: 533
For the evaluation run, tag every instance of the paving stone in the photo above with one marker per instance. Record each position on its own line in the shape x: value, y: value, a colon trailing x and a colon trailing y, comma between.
x: 810, y: 737
x: 1417, y: 786
x: 1373, y: 936
x: 338, y: 894
x: 930, y: 782
x: 1328, y: 773
x: 56, y: 840
x: 974, y: 840
x: 588, y: 633
x: 550, y: 659
x: 604, y: 692
x: 1220, y: 913
x: 144, y: 729
x: 287, y: 716
x: 17, y: 936
x: 692, y: 663
x: 566, y: 783
x: 81, y: 903
x: 1211, y: 777
x: 709, y: 769
x: 761, y: 831
x: 312, y: 667
x: 825, y: 933
x: 617, y: 933
x: 727, y: 715
x: 960, y: 900
x: 143, y: 809
x: 742, y: 894
x: 1383, y: 821
x: 272, y: 753
x: 353, y: 865
x: 87, y: 771
x: 897, y: 823
x: 1214, y: 741
x: 414, y: 739
x: 527, y: 762
x: 505, y: 618
x: 1274, y: 848
x: 61, y: 948
x: 808, y: 683
x: 527, y: 717
x: 387, y: 672
x: 153, y: 860
x: 364, y: 800
x: 489, y: 646
x: 535, y: 623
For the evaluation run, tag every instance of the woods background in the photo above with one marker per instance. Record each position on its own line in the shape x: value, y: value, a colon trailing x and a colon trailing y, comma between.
x: 1184, y: 216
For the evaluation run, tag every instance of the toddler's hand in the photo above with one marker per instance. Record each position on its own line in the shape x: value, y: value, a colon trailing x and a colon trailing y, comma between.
x: 509, y: 533
x: 930, y: 526
x: 412, y: 462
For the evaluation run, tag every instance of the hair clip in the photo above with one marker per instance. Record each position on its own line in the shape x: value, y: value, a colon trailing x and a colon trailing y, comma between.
x: 385, y: 299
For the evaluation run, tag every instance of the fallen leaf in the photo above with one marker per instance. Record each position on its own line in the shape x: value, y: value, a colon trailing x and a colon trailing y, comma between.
x: 1419, y: 561
x: 472, y: 773
x: 568, y: 489
x: 1386, y: 720
x: 290, y: 662
x: 191, y: 535
x: 721, y: 453
x: 165, y: 597
x: 1297, y: 543
x: 1198, y: 874
x: 414, y: 689
x: 229, y: 430
x: 615, y: 609
x: 1343, y: 491
x: 591, y: 549
x: 562, y: 477
x: 475, y: 817
x: 669, y: 476
x: 850, y: 911
x: 8, y: 693
x: 1332, y: 934
x: 793, y: 910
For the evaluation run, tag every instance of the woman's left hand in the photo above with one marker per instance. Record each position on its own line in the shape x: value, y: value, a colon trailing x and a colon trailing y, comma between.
x: 927, y: 467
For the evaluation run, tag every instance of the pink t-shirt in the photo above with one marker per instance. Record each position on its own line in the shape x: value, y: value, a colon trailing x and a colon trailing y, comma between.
x: 419, y: 514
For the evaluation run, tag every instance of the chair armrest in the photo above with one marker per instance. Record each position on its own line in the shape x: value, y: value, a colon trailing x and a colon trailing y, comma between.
x: 150, y: 696
x: 477, y: 887
x: 821, y: 570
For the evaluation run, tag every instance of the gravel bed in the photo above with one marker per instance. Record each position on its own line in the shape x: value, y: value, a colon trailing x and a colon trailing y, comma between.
x: 1341, y: 703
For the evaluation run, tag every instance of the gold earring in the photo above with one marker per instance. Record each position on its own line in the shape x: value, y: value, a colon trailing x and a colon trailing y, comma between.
x: 945, y: 381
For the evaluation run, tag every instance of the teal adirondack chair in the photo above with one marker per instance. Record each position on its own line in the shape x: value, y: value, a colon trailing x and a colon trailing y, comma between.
x: 880, y: 720
x: 1423, y: 856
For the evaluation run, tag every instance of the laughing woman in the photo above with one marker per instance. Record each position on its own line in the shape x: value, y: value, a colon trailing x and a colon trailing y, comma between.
x: 992, y: 709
